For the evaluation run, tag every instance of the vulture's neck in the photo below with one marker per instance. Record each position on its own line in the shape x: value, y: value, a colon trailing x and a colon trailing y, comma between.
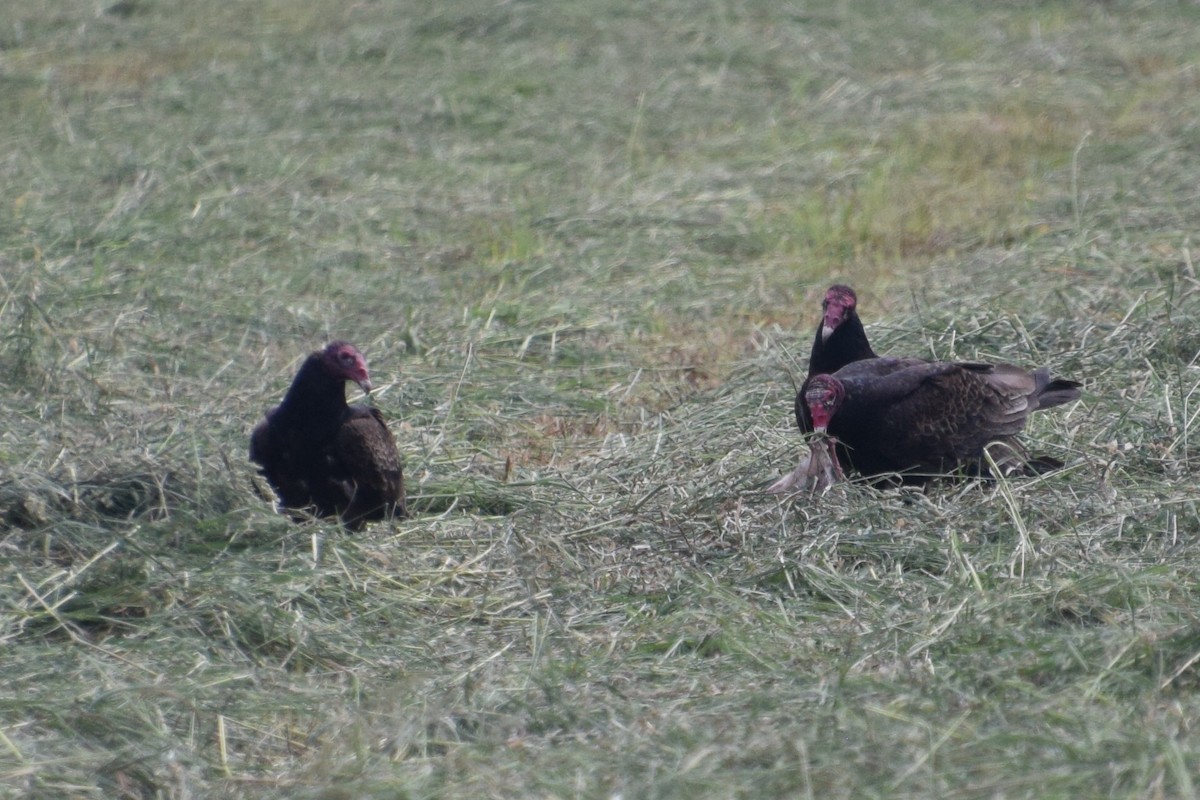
x: 314, y: 393
x: 847, y: 344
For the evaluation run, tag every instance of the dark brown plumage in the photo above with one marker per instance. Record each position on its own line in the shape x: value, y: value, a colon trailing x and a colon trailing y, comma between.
x: 919, y: 418
x: 839, y: 340
x: 327, y: 457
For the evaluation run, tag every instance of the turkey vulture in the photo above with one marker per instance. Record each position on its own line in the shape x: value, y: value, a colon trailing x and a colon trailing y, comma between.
x: 327, y: 457
x: 840, y: 340
x: 924, y: 418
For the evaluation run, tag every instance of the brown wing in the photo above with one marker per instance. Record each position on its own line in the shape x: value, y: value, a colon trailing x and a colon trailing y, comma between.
x: 956, y: 411
x: 367, y: 462
x: 933, y: 417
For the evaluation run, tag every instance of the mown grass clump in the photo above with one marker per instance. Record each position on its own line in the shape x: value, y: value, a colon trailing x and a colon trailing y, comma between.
x: 583, y: 251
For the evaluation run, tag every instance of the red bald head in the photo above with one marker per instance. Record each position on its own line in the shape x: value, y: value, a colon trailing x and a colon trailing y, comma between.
x: 824, y: 396
x: 839, y: 305
x: 342, y: 360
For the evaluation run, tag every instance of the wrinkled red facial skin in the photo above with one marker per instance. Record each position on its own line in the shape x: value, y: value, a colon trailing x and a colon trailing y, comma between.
x: 823, y: 397
x: 819, y: 410
x: 343, y: 360
x: 840, y: 302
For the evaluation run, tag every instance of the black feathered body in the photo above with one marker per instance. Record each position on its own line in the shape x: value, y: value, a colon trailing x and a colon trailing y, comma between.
x: 320, y: 454
x: 929, y: 418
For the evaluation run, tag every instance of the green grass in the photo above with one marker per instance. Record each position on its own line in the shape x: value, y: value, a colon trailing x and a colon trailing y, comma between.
x: 582, y: 249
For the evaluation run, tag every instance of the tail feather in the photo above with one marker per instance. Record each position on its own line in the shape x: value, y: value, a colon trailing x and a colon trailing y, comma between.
x: 1057, y: 392
x: 1048, y: 392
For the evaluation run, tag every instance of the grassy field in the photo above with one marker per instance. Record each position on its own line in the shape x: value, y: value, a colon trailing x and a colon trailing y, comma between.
x: 582, y: 245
